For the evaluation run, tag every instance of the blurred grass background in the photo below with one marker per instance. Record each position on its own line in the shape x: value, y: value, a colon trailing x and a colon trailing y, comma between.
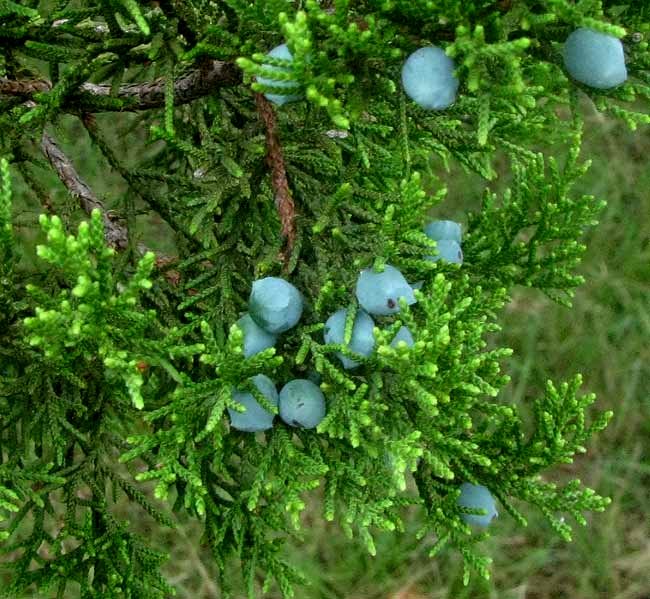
x: 606, y: 337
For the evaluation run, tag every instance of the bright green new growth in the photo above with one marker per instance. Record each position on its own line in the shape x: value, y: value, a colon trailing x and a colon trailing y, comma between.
x: 84, y: 321
x: 6, y: 228
x: 123, y: 365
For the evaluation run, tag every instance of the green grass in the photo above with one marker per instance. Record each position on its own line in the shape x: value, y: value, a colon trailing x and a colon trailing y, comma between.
x: 605, y: 336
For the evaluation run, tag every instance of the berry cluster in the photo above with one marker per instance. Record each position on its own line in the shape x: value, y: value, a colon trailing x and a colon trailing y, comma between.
x: 378, y: 293
x: 275, y: 306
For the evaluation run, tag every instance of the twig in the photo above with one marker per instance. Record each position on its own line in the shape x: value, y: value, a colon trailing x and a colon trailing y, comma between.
x: 23, y: 87
x: 204, y: 81
x: 116, y: 235
x: 275, y: 159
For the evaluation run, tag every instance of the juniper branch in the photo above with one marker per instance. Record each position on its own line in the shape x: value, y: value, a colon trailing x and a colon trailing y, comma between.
x: 116, y: 235
x: 204, y: 81
x: 23, y: 87
x: 275, y: 159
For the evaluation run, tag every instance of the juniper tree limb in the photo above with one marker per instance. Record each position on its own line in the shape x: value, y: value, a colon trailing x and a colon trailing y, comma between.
x: 155, y: 201
x: 204, y: 81
x: 275, y: 160
x: 23, y: 87
x: 162, y: 260
x: 116, y: 235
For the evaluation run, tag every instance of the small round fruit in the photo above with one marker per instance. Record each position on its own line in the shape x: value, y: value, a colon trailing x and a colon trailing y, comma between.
x: 477, y: 497
x: 404, y: 334
x: 379, y: 292
x: 428, y: 78
x: 362, y: 340
x: 443, y: 229
x: 256, y: 339
x: 595, y: 59
x: 449, y: 251
x: 274, y: 304
x: 255, y: 418
x: 281, y: 51
x: 302, y: 404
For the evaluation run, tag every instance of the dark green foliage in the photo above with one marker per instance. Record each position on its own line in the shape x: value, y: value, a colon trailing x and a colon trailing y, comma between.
x: 117, y: 366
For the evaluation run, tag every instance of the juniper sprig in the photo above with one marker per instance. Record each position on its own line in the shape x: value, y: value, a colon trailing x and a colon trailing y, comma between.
x: 126, y: 356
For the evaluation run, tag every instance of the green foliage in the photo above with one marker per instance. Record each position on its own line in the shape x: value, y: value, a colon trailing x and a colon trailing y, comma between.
x: 528, y: 237
x: 119, y: 373
x: 89, y: 320
x: 6, y: 228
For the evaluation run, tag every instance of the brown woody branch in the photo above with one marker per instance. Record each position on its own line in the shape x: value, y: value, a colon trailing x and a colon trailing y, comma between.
x: 275, y: 160
x: 198, y: 83
x: 23, y: 87
x: 115, y: 234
